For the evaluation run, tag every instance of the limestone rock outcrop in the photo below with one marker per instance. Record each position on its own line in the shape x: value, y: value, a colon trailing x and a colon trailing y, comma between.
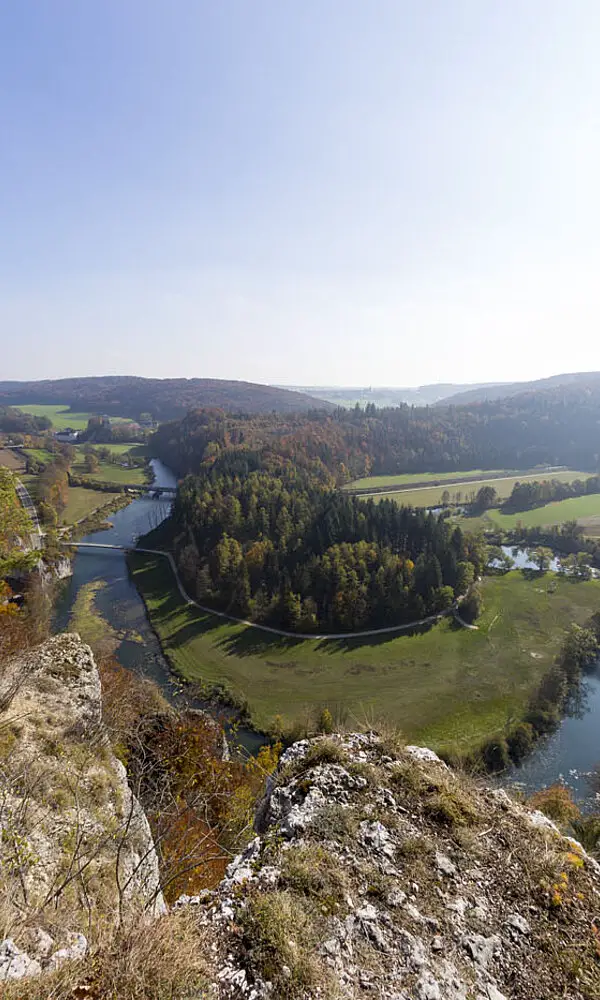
x: 74, y: 840
x: 379, y: 872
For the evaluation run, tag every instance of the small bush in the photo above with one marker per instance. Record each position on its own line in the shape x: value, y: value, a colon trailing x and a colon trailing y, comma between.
x: 450, y: 806
x: 520, y: 741
x: 556, y: 803
x: 495, y: 755
x: 323, y: 751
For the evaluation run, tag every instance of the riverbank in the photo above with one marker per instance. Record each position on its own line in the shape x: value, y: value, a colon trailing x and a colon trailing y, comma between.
x: 446, y: 687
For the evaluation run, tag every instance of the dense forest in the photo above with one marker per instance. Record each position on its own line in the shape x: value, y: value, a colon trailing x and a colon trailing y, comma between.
x: 557, y: 427
x: 281, y: 547
x: 262, y: 531
x: 163, y: 399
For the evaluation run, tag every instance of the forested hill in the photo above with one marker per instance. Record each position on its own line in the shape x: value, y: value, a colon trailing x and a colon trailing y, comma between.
x: 486, y: 393
x: 164, y: 399
x: 557, y: 427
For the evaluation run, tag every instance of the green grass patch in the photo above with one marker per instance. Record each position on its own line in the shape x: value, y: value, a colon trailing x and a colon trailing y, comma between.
x: 40, y: 455
x: 81, y: 503
x: 447, y: 687
x: 432, y: 478
x: 573, y: 509
x: 59, y: 414
x: 89, y: 623
x: 431, y: 496
x: 107, y: 472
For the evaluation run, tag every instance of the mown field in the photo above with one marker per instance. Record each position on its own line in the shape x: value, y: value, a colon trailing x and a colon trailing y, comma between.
x: 448, y: 687
x: 80, y: 502
x: 107, y: 472
x: 431, y: 496
x: 585, y: 510
x: 59, y: 414
x: 379, y: 482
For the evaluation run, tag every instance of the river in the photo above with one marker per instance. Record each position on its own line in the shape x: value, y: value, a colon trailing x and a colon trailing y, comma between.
x: 118, y: 600
x: 570, y: 753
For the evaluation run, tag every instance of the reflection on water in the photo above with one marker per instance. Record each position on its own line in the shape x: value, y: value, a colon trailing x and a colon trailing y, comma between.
x: 118, y: 600
x: 571, y: 753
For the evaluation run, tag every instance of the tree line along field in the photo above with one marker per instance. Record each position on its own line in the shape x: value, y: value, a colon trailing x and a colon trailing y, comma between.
x: 432, y: 496
x: 585, y: 510
x: 80, y: 501
x: 447, y: 687
x: 60, y: 415
x: 107, y: 472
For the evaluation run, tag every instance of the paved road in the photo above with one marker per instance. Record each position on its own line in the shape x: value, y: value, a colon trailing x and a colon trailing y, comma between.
x: 267, y: 628
x: 27, y: 502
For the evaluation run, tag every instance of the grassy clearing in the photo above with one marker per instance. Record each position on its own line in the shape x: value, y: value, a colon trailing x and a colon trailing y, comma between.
x: 573, y: 509
x: 82, y: 502
x: 378, y: 482
x: 109, y: 473
x: 432, y: 496
x: 447, y: 687
x: 40, y: 455
x: 59, y: 414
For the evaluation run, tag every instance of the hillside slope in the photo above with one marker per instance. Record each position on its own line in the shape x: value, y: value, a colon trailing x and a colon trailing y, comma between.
x: 503, y: 390
x: 165, y: 399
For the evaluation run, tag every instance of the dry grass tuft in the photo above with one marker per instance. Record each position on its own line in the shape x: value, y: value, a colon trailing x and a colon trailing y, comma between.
x: 162, y: 960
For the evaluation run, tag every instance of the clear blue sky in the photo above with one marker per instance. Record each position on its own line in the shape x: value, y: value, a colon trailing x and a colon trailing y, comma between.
x: 314, y: 192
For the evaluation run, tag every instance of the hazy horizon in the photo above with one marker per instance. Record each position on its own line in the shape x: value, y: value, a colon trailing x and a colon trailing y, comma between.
x: 329, y: 194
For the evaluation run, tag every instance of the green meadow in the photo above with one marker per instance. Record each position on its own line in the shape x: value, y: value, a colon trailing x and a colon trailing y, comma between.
x: 431, y: 496
x: 448, y: 687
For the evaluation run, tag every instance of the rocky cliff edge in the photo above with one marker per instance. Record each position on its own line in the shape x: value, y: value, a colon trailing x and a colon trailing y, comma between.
x: 379, y: 873
x: 75, y: 845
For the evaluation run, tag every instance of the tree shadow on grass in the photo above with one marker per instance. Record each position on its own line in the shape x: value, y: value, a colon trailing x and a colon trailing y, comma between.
x: 254, y: 642
x: 351, y: 643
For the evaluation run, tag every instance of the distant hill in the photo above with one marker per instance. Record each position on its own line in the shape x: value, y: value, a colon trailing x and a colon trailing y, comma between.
x: 503, y: 390
x: 423, y: 395
x: 165, y: 399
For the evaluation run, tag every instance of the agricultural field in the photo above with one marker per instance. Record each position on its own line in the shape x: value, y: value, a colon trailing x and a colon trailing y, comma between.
x: 40, y: 455
x: 59, y: 414
x: 80, y: 502
x: 447, y: 687
x: 431, y: 496
x: 107, y: 472
x: 585, y: 510
x: 431, y: 478
x: 11, y: 460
